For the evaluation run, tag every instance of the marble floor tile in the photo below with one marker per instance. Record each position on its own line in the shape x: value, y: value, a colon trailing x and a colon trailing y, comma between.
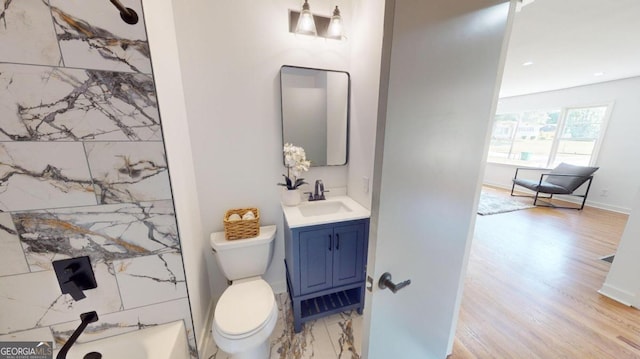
x: 316, y: 340
x: 345, y: 332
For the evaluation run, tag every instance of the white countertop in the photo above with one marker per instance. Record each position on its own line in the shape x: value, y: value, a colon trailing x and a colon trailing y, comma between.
x: 295, y: 218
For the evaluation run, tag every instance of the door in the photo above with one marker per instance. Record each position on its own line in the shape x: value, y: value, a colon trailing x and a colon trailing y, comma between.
x: 441, y: 66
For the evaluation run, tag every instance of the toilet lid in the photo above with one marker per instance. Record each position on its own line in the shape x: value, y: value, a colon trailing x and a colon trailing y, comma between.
x: 244, y: 307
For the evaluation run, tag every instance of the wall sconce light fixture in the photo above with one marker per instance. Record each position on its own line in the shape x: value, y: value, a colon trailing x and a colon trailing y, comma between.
x: 305, y: 23
x: 335, y: 25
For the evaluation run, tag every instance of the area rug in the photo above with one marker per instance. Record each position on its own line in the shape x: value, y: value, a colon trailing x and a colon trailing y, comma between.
x: 491, y: 203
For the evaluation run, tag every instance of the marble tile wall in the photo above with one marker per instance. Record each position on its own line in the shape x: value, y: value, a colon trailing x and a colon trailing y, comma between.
x: 83, y: 172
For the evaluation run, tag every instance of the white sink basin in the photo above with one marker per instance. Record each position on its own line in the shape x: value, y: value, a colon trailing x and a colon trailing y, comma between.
x: 321, y: 208
x: 331, y: 210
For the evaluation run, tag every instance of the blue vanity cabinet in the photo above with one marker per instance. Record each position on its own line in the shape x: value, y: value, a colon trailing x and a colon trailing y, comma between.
x: 326, y: 266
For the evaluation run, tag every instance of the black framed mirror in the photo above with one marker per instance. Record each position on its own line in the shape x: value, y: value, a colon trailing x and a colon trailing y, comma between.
x: 315, y: 113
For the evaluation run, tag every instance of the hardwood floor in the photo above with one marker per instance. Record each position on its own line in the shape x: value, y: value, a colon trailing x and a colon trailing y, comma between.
x: 531, y: 288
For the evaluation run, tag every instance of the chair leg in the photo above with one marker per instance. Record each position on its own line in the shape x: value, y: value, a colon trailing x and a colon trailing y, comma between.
x: 535, y: 199
x: 549, y: 204
x: 584, y: 199
x: 512, y: 187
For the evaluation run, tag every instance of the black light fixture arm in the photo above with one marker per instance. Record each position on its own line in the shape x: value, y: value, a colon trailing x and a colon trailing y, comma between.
x: 128, y: 15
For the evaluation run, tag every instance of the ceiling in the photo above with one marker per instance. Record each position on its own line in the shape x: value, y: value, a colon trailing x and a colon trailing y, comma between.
x: 569, y: 41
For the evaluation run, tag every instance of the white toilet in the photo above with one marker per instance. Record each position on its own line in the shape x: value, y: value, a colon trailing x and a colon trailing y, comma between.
x: 246, y: 313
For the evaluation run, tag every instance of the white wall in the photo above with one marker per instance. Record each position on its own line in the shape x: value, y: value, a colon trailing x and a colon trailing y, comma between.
x: 366, y: 51
x: 619, y: 172
x: 230, y: 56
x: 163, y: 47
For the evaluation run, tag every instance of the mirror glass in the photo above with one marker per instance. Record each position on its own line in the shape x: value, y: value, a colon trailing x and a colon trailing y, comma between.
x: 315, y: 113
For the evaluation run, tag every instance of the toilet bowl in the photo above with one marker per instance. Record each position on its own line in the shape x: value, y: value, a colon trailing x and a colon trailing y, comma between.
x: 244, y: 319
x: 247, y: 312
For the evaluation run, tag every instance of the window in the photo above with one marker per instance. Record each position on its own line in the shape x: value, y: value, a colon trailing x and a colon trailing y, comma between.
x: 545, y: 138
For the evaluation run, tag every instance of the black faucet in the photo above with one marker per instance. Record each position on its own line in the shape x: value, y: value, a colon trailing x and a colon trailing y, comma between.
x: 86, y: 318
x: 319, y: 192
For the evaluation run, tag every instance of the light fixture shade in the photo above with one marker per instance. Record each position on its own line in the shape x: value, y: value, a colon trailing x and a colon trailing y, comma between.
x: 306, y: 24
x: 335, y: 30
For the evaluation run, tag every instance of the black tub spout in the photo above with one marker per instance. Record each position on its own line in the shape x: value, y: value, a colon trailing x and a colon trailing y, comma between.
x: 86, y: 318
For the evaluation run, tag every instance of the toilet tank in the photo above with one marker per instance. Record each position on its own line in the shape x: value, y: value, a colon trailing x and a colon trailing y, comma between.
x: 244, y: 258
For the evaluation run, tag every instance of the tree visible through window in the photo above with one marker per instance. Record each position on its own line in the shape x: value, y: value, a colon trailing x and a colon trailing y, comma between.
x: 547, y: 137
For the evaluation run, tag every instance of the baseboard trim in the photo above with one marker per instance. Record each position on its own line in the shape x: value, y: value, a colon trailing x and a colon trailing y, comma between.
x: 617, y: 294
x: 279, y: 287
x: 204, y: 338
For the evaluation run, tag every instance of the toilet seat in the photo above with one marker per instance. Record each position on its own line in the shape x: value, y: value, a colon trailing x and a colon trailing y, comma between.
x: 244, y: 309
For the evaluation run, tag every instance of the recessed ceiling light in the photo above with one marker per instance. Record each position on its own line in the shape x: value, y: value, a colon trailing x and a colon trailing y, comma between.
x: 598, y: 73
x: 528, y: 63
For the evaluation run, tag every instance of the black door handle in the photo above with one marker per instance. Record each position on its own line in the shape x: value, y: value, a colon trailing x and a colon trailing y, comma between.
x: 385, y: 282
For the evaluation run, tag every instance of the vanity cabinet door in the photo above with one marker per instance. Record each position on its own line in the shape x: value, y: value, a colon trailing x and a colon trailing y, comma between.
x: 348, y: 254
x: 316, y: 250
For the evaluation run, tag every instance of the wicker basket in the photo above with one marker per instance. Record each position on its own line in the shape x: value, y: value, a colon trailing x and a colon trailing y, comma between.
x: 246, y: 228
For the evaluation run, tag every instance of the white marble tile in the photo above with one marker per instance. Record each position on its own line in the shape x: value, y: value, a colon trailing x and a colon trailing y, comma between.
x: 211, y: 351
x: 33, y: 335
x: 110, y: 324
x: 216, y: 353
x: 105, y: 233
x: 312, y: 342
x: 151, y: 279
x: 57, y: 176
x: 12, y: 260
x: 34, y: 300
x: 42, y: 103
x: 92, y: 35
x: 27, y: 22
x: 128, y: 171
x: 41, y: 261
x: 345, y: 331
